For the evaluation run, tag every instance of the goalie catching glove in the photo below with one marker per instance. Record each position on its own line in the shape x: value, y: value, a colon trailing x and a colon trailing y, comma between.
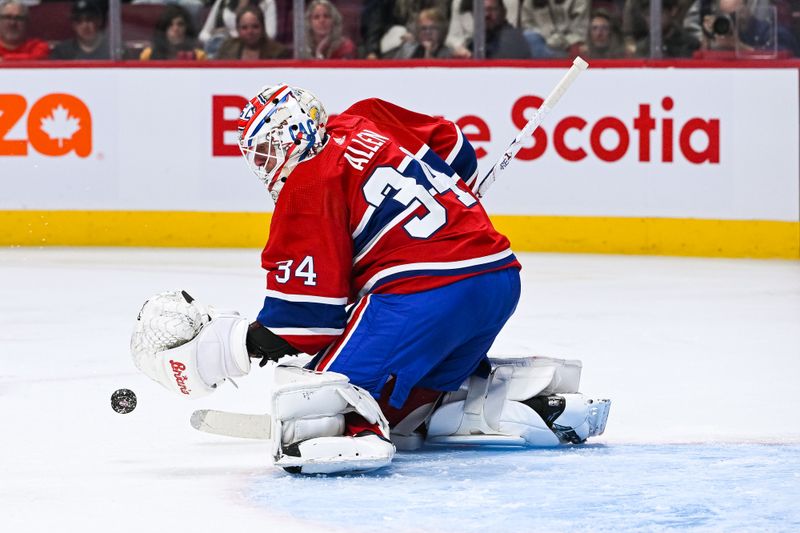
x: 189, y: 348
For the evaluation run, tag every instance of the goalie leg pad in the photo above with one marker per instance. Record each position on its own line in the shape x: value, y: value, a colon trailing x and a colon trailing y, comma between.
x: 534, y: 376
x: 500, y: 410
x: 308, y: 428
x: 335, y: 455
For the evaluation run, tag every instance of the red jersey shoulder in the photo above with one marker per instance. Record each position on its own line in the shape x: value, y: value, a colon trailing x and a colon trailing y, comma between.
x: 410, y: 129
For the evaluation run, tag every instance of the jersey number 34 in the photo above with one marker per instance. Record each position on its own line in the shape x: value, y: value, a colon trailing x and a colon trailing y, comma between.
x: 388, y: 182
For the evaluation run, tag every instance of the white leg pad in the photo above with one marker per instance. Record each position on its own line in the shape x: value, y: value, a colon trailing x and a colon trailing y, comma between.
x: 538, y: 376
x: 332, y: 455
x: 308, y: 426
x: 490, y: 411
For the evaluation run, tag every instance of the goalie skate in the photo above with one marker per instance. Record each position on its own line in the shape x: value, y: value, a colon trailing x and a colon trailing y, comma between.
x: 574, y: 417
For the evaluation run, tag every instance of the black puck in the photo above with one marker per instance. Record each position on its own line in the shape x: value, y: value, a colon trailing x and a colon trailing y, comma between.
x: 123, y: 401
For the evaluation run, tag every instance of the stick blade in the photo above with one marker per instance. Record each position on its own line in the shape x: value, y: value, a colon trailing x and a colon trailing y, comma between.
x: 239, y: 425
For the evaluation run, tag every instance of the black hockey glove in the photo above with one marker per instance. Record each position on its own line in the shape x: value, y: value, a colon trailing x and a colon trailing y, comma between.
x: 263, y: 344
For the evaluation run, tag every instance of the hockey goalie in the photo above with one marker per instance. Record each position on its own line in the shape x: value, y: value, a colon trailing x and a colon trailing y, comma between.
x: 383, y: 265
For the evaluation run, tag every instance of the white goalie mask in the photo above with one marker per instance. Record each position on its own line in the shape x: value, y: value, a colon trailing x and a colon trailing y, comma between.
x: 279, y: 128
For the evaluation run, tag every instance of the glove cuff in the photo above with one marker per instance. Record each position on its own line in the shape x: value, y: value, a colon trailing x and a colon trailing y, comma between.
x: 239, y: 360
x: 221, y: 350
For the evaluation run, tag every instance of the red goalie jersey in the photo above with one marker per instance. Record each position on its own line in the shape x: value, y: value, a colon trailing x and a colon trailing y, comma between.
x: 384, y: 208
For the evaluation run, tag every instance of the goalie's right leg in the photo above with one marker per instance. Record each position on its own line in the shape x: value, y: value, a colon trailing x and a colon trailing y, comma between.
x: 532, y: 401
x: 322, y: 424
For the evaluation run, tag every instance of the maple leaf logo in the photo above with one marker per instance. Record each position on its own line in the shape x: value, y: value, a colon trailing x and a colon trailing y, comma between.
x: 60, y: 125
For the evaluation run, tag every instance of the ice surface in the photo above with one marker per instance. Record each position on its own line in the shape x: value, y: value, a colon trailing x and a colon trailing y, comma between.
x: 701, y: 358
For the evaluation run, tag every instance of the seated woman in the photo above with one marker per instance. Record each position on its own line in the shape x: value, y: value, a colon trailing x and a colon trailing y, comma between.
x: 324, y: 39
x: 220, y: 24
x: 428, y: 43
x: 174, y: 37
x: 252, y: 42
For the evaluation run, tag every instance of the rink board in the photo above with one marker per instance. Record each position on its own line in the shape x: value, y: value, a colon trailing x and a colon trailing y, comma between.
x: 663, y: 161
x: 658, y: 236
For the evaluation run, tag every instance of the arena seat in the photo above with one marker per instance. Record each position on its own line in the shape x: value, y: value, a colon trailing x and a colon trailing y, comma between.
x: 50, y: 21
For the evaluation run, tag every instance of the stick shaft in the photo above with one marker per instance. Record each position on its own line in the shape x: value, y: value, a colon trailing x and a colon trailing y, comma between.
x: 578, y: 66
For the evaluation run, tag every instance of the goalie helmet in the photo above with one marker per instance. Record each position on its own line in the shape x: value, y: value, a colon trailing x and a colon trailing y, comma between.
x: 279, y: 128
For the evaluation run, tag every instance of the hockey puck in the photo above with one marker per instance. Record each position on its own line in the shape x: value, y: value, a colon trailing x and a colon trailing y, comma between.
x: 123, y: 401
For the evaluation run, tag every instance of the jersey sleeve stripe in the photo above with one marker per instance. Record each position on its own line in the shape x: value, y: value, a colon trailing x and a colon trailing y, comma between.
x: 465, y: 163
x: 404, y: 163
x: 282, y: 314
x: 359, y: 255
x: 438, y: 268
x: 305, y: 298
x: 305, y: 331
x: 457, y: 148
x: 364, y: 220
x: 471, y: 181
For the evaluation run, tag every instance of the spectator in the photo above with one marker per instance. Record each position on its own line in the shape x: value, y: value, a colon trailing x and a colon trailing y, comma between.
x: 676, y: 41
x: 376, y: 19
x: 324, y: 39
x: 788, y: 17
x: 789, y: 20
x: 503, y: 41
x: 252, y: 42
x: 604, y: 39
x: 89, y: 42
x: 221, y: 23
x: 428, y: 43
x: 14, y: 44
x: 555, y: 28
x: 689, y: 13
x: 718, y: 27
x: 634, y: 25
x: 462, y: 25
x: 750, y: 27
x: 401, y: 20
x: 174, y: 37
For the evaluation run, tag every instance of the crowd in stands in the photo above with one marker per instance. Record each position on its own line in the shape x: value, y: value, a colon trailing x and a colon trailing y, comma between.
x: 399, y: 29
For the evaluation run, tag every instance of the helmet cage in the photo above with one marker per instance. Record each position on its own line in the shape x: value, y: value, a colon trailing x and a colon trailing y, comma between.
x: 279, y: 128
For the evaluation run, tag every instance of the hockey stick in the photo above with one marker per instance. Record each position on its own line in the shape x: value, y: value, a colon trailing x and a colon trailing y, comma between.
x: 232, y: 424
x: 578, y: 66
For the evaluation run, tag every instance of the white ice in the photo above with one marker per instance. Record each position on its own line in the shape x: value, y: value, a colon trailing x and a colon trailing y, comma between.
x: 700, y: 356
